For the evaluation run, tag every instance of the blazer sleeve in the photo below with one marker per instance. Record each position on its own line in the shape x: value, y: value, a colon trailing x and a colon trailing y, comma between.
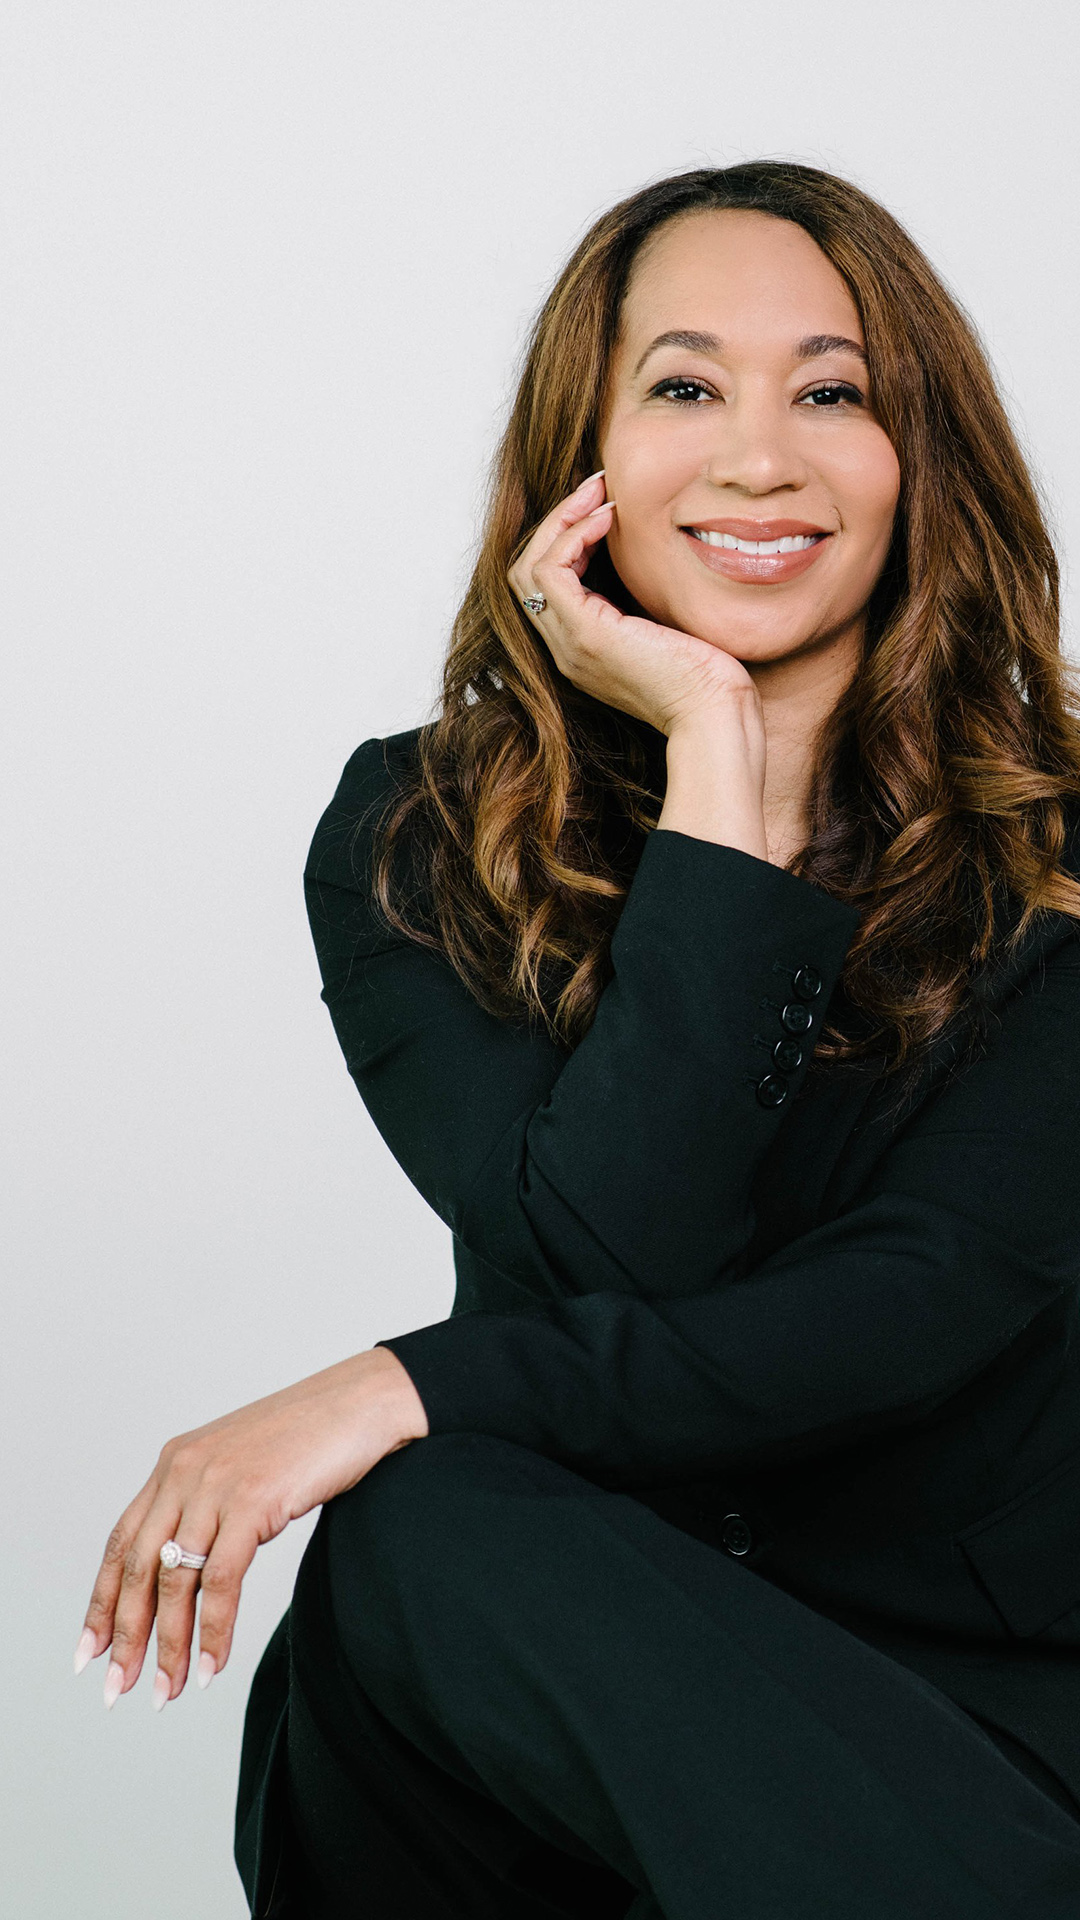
x: 968, y: 1227
x: 622, y: 1165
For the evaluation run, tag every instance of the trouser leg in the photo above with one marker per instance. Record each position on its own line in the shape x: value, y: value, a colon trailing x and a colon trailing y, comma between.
x: 379, y: 1831
x: 378, y: 1835
x: 611, y: 1681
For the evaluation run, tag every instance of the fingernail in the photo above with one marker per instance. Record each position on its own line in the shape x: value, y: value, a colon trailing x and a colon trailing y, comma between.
x: 600, y: 508
x: 84, y: 1652
x: 591, y: 476
x: 162, y: 1690
x: 205, y: 1670
x: 114, y: 1681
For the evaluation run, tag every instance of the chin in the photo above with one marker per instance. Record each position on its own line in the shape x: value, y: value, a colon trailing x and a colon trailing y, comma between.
x: 744, y: 638
x: 750, y: 652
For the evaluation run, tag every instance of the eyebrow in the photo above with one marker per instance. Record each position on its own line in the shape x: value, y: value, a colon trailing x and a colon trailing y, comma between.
x: 811, y: 348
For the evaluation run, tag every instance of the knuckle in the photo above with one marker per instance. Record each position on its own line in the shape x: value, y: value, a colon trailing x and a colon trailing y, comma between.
x: 180, y: 1454
x: 99, y: 1610
x: 134, y: 1566
x: 116, y: 1546
x: 217, y: 1581
x: 250, y: 1486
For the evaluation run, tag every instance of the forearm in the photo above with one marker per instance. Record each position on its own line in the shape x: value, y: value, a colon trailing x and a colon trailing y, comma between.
x: 715, y: 777
x: 627, y: 1164
x: 400, y: 1404
x: 868, y: 1323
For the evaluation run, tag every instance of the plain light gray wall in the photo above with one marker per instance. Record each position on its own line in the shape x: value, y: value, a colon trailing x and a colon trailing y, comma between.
x: 266, y: 271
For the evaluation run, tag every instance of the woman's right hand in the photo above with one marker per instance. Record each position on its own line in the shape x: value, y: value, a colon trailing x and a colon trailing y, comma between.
x: 225, y: 1488
x: 656, y: 673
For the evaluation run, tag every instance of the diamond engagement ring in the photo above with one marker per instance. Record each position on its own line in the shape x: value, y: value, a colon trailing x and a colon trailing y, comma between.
x: 535, y: 602
x: 174, y: 1555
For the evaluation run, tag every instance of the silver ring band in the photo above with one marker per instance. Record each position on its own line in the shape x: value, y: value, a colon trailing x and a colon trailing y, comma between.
x: 535, y: 602
x: 174, y: 1555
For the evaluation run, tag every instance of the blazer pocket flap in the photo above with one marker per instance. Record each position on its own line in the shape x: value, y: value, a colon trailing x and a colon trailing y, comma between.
x: 1027, y: 1554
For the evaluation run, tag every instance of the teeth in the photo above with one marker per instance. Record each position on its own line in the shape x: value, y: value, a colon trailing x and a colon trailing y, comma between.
x: 791, y: 543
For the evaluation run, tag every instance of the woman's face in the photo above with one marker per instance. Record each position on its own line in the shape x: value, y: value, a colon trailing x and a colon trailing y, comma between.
x: 755, y: 424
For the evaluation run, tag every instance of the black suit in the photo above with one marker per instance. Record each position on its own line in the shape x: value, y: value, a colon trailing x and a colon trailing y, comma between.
x: 834, y: 1337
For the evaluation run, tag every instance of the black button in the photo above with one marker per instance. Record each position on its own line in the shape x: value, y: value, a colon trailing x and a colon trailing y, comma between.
x: 807, y: 983
x: 796, y: 1017
x: 735, y: 1535
x: 772, y: 1091
x: 788, y: 1055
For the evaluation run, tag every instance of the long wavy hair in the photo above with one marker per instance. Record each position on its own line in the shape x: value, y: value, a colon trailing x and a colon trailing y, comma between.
x: 941, y: 779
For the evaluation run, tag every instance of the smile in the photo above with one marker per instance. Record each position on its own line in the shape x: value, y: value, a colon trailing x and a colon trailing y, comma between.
x: 756, y: 562
x: 791, y: 542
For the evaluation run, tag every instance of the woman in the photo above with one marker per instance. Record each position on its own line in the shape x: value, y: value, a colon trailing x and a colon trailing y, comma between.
x: 712, y: 966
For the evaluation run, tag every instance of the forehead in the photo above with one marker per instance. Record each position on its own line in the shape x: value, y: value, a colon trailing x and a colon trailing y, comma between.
x: 735, y: 273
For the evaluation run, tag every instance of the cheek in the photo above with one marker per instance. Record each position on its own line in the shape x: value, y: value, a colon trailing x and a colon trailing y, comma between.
x: 644, y: 472
x: 867, y: 486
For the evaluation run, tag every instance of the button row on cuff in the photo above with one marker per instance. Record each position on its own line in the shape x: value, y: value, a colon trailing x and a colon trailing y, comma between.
x: 796, y: 1018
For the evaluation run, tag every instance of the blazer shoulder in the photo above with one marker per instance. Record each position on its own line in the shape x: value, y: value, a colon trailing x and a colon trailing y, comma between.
x: 373, y: 773
x: 1021, y: 965
x: 345, y: 916
x: 374, y: 768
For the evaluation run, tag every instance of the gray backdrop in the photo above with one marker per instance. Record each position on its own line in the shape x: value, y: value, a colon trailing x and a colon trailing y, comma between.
x: 266, y: 271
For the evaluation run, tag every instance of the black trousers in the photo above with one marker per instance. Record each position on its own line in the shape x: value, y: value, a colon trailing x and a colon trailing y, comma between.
x: 515, y: 1695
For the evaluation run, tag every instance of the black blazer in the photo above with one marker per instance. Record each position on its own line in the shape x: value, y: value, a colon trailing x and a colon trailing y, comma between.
x: 833, y: 1335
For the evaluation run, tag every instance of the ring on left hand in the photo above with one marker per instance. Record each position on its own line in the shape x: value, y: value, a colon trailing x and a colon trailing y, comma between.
x: 173, y: 1554
x: 535, y: 602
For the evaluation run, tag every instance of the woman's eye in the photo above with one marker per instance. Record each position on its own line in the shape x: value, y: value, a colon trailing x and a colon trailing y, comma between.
x: 832, y: 393
x: 679, y: 384
x: 684, y: 391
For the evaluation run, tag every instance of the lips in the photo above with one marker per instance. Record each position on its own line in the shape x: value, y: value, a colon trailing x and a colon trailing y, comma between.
x: 755, y: 529
x: 760, y: 569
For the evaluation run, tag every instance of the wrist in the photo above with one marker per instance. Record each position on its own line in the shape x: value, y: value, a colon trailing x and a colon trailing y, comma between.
x: 715, y: 781
x: 401, y: 1407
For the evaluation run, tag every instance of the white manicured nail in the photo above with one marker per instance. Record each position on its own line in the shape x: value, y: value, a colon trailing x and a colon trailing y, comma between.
x: 162, y: 1690
x: 600, y: 508
x: 84, y: 1652
x: 205, y: 1670
x: 114, y: 1681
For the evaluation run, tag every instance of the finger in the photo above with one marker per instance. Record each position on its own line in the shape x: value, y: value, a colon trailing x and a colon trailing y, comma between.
x: 557, y: 574
x: 98, y: 1620
x: 136, y: 1602
x: 222, y: 1577
x: 177, y: 1589
x: 563, y: 515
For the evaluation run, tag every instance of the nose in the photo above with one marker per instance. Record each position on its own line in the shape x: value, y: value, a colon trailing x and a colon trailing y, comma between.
x: 754, y: 446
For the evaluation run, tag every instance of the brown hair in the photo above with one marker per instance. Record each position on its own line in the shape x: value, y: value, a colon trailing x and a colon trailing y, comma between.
x: 941, y: 774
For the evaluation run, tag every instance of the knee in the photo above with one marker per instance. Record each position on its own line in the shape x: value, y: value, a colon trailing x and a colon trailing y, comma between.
x: 399, y: 1551
x: 400, y: 1517
x: 439, y: 1512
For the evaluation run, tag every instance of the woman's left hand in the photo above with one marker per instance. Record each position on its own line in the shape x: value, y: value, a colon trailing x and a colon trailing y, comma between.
x: 223, y: 1490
